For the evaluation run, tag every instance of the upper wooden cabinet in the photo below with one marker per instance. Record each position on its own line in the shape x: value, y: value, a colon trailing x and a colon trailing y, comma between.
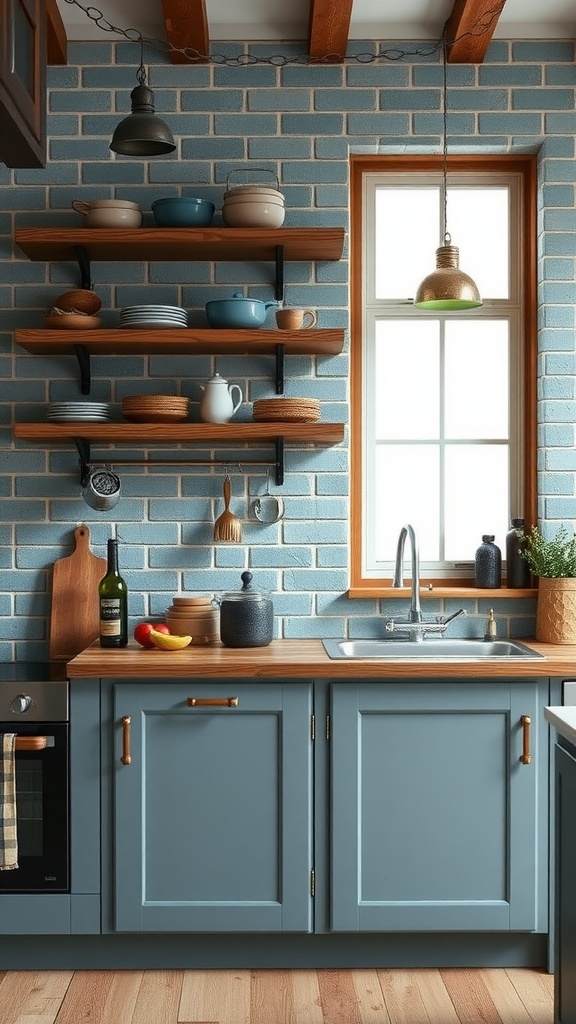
x: 23, y: 83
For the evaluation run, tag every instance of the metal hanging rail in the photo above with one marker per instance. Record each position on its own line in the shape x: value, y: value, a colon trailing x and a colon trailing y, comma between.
x: 84, y: 453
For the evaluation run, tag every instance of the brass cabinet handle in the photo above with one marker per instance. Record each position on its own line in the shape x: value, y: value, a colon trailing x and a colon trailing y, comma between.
x: 212, y: 702
x: 31, y: 743
x: 126, y: 755
x: 526, y: 756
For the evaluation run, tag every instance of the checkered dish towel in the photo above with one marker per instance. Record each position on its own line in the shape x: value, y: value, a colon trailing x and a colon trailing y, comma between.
x: 8, y: 836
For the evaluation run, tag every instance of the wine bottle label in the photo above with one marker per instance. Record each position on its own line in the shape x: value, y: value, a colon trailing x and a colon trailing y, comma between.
x: 110, y: 619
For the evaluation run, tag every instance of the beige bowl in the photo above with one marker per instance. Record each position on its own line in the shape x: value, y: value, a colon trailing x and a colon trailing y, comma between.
x: 108, y: 216
x: 268, y: 200
x: 84, y: 205
x: 256, y: 191
x: 253, y: 215
x: 113, y: 218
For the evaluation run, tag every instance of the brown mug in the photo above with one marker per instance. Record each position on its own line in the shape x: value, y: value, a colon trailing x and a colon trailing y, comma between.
x: 295, y: 319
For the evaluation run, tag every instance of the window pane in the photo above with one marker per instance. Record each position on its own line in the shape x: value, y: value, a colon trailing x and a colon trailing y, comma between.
x: 407, y: 231
x: 406, y: 491
x: 406, y: 379
x: 476, y: 498
x: 478, y: 221
x: 476, y: 376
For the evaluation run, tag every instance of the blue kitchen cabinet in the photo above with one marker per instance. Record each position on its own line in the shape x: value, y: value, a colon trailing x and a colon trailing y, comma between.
x: 436, y: 824
x: 565, y: 884
x: 213, y: 812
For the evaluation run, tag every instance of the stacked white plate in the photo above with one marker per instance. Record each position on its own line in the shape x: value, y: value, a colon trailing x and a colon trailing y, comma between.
x: 78, y: 412
x: 136, y: 317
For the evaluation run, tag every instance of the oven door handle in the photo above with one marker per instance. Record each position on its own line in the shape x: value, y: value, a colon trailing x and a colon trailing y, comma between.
x: 33, y: 742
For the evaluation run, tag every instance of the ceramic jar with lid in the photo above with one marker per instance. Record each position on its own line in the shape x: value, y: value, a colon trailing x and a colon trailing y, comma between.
x: 246, y: 616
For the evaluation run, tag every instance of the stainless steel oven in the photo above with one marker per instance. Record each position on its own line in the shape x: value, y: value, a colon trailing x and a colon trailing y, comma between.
x: 34, y: 705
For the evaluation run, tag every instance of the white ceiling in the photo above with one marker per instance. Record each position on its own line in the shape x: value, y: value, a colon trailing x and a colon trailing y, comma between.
x: 279, y: 19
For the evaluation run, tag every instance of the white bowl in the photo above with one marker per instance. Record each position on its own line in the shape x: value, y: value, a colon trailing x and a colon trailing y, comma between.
x: 253, y: 215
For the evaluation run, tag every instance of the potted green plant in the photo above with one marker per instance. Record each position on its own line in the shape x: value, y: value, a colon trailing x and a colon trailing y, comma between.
x: 553, y: 561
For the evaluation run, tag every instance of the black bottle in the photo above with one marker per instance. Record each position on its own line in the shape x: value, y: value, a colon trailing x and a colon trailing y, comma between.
x: 517, y: 568
x: 113, y: 597
x: 488, y: 563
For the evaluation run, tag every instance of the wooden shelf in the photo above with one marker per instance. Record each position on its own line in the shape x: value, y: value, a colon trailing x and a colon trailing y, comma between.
x: 180, y: 433
x: 83, y: 435
x: 178, y: 244
x: 181, y: 341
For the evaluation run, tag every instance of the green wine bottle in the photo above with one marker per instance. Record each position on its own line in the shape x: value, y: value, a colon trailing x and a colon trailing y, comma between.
x: 113, y: 596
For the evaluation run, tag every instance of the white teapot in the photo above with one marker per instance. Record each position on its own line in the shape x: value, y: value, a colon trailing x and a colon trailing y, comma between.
x: 218, y: 404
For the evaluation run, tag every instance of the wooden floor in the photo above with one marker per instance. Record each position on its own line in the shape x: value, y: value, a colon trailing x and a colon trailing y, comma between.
x: 511, y: 996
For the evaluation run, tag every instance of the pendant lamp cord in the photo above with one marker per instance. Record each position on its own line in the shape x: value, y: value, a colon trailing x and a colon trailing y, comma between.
x: 141, y: 73
x: 447, y: 238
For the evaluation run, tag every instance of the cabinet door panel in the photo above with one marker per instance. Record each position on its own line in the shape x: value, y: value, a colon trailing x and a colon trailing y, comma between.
x: 213, y: 815
x: 433, y: 814
x: 23, y: 83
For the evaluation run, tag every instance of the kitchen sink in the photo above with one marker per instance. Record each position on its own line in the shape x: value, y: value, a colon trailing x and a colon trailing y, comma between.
x: 433, y: 649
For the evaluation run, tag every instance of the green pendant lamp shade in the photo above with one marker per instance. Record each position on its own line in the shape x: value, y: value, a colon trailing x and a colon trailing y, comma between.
x: 142, y: 133
x: 447, y: 287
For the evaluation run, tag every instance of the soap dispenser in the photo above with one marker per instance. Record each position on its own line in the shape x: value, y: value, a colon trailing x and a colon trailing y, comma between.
x: 488, y: 564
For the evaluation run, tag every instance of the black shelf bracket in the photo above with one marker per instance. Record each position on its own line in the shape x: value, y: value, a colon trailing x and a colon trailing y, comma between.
x: 84, y: 266
x: 279, y: 293
x: 83, y: 357
x: 280, y: 353
x: 279, y: 461
x: 83, y: 448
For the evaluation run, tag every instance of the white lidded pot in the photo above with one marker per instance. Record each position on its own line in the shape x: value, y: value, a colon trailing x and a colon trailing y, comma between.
x: 220, y: 400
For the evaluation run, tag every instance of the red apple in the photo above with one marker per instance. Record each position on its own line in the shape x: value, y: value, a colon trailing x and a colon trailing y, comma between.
x: 142, y: 632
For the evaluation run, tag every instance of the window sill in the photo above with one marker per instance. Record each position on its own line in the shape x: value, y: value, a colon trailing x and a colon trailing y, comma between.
x: 435, y: 590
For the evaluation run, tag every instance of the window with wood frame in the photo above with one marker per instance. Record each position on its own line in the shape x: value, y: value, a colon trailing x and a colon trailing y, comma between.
x: 442, y: 404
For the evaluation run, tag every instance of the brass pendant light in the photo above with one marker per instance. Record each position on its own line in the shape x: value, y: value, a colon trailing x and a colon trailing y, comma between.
x: 142, y: 132
x: 447, y: 287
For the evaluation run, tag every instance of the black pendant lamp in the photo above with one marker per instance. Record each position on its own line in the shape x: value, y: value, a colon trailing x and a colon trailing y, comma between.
x: 142, y: 132
x: 447, y: 287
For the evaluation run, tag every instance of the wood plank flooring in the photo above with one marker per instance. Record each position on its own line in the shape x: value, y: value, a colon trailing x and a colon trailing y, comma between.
x: 455, y: 996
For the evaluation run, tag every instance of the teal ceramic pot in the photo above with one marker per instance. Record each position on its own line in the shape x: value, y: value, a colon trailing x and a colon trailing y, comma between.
x: 237, y: 312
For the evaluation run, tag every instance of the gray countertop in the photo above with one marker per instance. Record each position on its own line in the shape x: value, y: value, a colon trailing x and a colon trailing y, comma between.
x: 563, y: 719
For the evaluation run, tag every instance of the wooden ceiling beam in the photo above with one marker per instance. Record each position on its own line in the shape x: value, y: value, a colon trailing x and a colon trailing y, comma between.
x: 187, y: 27
x: 56, y: 39
x: 470, y: 28
x: 328, y: 30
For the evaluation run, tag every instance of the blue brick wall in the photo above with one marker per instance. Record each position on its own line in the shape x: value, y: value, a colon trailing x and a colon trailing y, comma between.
x: 302, y: 123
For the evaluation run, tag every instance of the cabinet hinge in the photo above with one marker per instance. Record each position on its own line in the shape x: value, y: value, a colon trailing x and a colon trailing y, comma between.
x: 312, y: 727
x: 327, y: 727
x: 312, y: 882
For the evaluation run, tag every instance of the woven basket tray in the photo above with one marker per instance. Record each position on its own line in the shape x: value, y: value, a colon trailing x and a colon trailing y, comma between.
x: 293, y: 409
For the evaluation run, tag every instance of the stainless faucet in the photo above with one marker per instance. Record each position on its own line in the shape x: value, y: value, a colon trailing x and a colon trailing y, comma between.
x: 415, y: 625
x: 415, y: 609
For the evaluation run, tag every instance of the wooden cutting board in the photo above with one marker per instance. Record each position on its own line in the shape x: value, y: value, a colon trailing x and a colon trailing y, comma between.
x: 74, y: 618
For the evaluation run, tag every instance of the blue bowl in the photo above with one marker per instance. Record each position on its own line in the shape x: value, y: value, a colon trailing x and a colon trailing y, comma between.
x: 183, y: 212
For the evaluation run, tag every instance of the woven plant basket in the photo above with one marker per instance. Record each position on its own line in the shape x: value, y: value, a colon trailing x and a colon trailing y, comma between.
x: 556, y: 610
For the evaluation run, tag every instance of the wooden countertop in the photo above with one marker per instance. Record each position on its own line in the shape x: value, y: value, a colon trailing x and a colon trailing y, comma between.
x: 305, y: 659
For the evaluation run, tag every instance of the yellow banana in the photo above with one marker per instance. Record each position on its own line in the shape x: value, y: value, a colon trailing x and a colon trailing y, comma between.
x: 169, y: 641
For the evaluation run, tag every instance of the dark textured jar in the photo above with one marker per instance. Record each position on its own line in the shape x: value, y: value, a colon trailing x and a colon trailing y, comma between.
x: 517, y: 568
x: 246, y: 616
x: 488, y: 564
